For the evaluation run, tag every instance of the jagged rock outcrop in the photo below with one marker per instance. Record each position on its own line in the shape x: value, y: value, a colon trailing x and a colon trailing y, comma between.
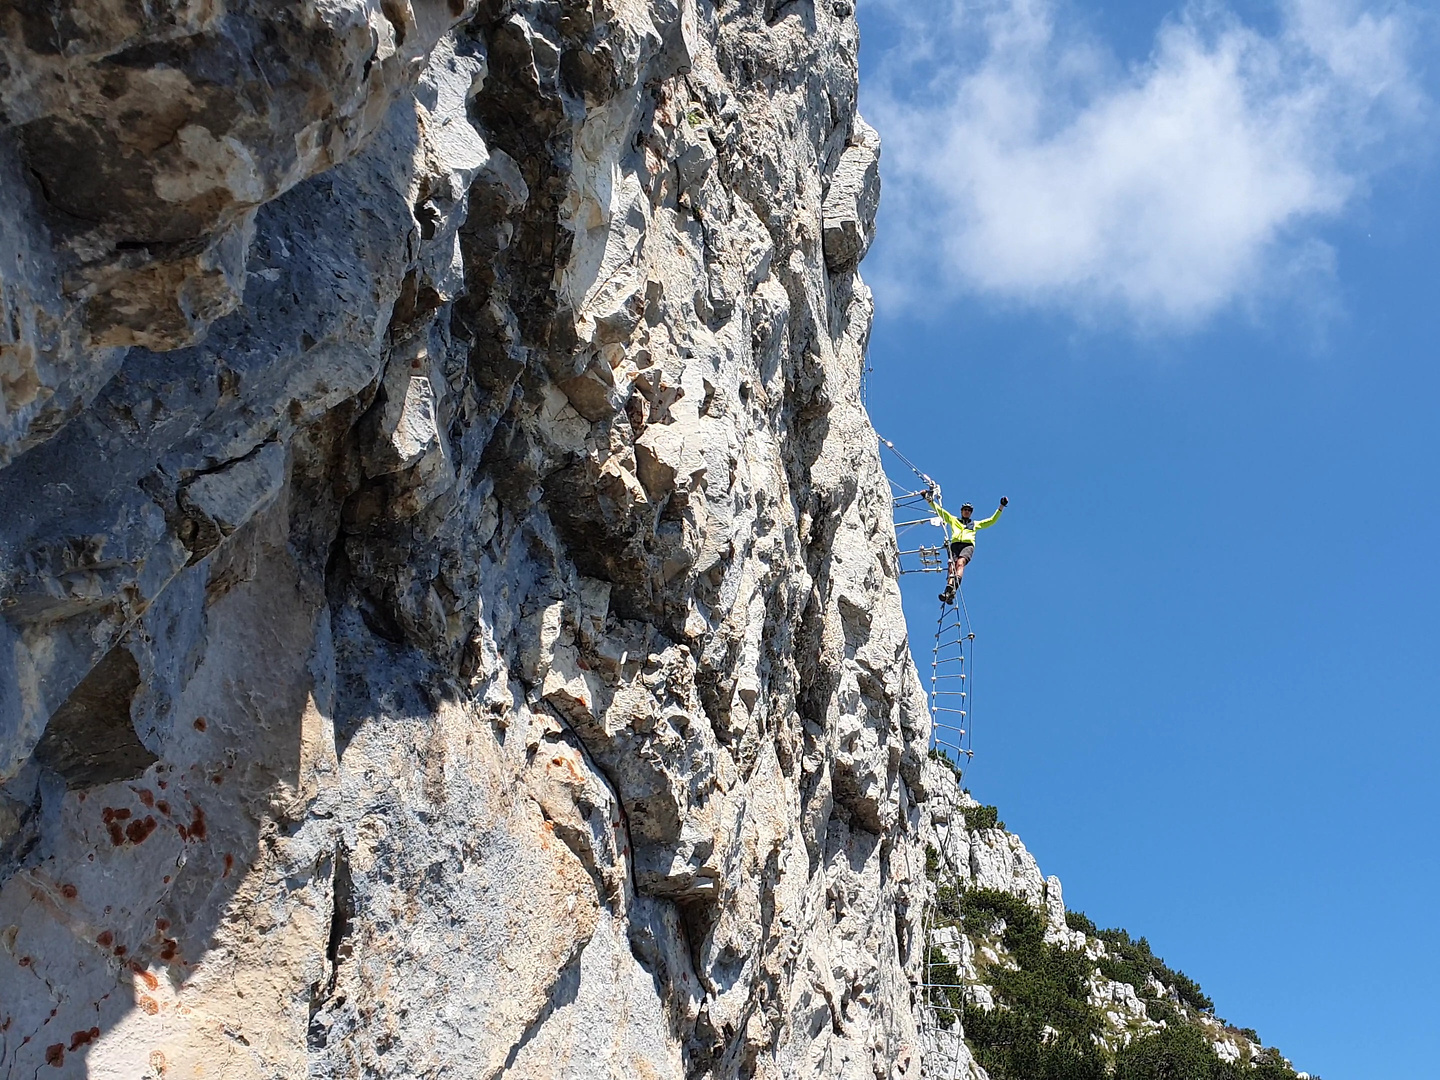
x: 449, y: 609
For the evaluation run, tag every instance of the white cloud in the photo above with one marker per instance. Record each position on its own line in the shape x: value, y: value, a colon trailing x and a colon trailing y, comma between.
x: 1024, y: 162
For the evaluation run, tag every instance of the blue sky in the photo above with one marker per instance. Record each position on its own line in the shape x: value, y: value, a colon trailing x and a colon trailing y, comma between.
x: 1167, y: 277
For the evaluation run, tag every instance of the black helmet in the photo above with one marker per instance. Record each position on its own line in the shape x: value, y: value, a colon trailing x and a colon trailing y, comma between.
x: 966, y: 506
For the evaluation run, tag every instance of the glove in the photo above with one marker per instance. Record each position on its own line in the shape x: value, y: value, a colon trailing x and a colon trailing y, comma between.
x: 1004, y: 502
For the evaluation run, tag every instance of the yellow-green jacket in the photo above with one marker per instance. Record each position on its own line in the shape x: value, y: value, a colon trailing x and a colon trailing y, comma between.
x: 960, y: 533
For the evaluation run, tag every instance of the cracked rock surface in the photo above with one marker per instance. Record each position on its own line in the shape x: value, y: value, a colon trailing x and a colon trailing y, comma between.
x: 448, y: 609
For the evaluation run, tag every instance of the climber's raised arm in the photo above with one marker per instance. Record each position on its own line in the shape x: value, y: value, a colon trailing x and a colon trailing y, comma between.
x: 1004, y: 502
x: 951, y: 521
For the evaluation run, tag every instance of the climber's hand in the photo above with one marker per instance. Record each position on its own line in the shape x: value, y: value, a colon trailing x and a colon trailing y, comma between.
x: 1004, y: 501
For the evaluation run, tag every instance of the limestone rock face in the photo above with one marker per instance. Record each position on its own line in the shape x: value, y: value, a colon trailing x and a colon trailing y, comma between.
x: 448, y: 620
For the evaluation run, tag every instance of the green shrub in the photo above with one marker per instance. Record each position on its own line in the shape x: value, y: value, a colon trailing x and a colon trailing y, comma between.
x: 1011, y: 1044
x: 943, y: 972
x: 1048, y: 990
x: 949, y: 909
x: 1158, y: 1009
x: 1077, y: 920
x: 982, y: 817
x: 1174, y: 1053
x: 936, y: 754
x: 983, y: 908
x: 1132, y: 962
x: 1183, y: 1052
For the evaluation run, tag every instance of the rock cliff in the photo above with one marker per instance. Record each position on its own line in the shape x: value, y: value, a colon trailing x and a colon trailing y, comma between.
x: 448, y: 621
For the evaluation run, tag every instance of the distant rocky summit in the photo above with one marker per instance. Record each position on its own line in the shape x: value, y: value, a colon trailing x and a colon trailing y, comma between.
x: 1018, y: 987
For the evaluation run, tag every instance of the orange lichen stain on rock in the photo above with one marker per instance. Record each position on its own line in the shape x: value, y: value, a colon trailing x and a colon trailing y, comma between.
x: 80, y: 1038
x: 162, y: 924
x: 145, y: 795
x: 24, y: 961
x: 572, y: 775
x: 150, y: 981
x: 197, y: 825
x: 55, y: 1054
x: 112, y: 816
x: 158, y: 1062
x: 120, y: 950
x: 148, y: 1005
x: 70, y: 892
x: 229, y: 864
x: 168, y: 950
x: 200, y: 723
x: 138, y: 831
x: 163, y: 807
x: 105, y: 939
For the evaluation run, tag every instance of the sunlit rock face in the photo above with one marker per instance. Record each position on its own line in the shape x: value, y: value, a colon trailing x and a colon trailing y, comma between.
x: 448, y: 622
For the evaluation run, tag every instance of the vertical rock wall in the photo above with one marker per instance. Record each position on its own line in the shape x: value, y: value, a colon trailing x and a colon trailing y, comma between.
x: 449, y: 609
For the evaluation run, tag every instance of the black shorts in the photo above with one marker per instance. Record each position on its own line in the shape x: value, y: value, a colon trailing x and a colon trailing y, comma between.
x: 965, y: 551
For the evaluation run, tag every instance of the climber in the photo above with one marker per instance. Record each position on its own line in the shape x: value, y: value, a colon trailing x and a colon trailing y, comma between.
x: 961, y: 531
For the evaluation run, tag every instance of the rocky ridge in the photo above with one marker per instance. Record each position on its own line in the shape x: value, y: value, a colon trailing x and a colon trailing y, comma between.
x: 972, y: 857
x: 448, y: 620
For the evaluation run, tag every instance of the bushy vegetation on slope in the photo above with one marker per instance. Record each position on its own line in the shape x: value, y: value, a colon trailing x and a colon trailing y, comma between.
x: 1132, y: 962
x: 1181, y: 1052
x: 1043, y: 1026
x: 981, y: 817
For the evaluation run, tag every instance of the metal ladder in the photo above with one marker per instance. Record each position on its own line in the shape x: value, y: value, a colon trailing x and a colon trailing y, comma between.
x: 950, y: 699
x: 943, y: 1052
